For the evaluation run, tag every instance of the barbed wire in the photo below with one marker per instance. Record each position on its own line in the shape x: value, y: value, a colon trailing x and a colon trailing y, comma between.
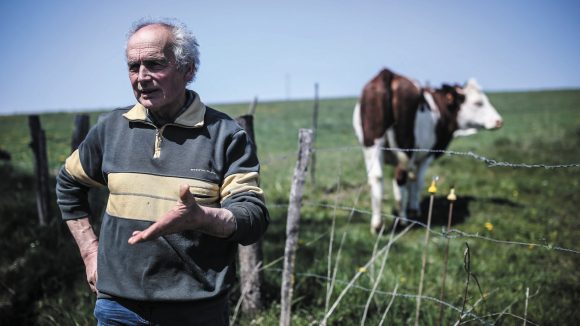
x: 488, y: 161
x: 444, y: 234
x: 451, y: 233
x: 484, y: 320
x: 481, y: 319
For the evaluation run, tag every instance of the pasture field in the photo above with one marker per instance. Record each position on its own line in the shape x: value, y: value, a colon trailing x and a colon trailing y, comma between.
x: 520, y: 224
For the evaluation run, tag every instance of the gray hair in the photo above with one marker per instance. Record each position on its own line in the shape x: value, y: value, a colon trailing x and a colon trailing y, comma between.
x: 184, y: 45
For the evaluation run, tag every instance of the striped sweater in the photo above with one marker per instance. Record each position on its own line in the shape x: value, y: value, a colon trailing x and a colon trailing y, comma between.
x: 142, y: 166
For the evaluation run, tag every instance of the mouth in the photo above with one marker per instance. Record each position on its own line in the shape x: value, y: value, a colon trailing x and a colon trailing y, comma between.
x: 147, y: 92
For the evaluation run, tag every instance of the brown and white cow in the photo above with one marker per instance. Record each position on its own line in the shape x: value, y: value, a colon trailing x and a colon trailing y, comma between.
x: 396, y: 112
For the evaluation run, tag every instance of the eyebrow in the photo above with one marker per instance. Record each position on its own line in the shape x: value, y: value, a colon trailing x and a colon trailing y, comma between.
x: 148, y: 61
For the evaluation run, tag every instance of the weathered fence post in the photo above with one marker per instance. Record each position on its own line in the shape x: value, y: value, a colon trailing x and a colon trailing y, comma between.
x: 82, y: 124
x: 38, y: 145
x: 314, y: 131
x: 251, y: 256
x: 293, y: 225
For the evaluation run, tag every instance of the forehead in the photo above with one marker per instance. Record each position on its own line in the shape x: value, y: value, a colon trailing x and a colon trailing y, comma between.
x: 473, y: 94
x: 149, y: 42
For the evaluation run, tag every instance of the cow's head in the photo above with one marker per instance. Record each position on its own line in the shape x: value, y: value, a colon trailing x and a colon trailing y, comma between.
x: 476, y: 111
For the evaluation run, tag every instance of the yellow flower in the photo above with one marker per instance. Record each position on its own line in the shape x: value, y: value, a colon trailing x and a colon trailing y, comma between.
x: 362, y: 270
x: 489, y: 226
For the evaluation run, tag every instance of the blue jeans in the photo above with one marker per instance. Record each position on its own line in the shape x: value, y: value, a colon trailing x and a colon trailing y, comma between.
x: 117, y: 312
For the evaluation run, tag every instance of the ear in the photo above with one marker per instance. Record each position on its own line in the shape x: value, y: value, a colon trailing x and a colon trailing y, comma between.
x: 189, y: 72
x: 455, y: 97
x: 460, y: 95
x: 450, y: 93
x: 450, y: 99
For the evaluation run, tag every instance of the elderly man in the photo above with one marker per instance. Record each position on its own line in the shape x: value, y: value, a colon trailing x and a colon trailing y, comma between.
x: 183, y: 183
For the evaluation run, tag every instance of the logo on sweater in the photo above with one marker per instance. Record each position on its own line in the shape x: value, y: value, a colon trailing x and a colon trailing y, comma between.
x: 202, y: 170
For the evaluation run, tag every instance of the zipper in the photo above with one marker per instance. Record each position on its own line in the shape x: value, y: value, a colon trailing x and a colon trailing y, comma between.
x: 158, y: 140
x: 159, y: 136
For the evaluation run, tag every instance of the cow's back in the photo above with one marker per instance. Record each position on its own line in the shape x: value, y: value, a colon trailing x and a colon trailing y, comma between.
x: 389, y: 100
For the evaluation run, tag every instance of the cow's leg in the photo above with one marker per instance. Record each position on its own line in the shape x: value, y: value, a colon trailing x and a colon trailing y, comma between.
x: 401, y: 177
x: 373, y: 161
x: 400, y: 196
x: 417, y: 187
x: 402, y: 186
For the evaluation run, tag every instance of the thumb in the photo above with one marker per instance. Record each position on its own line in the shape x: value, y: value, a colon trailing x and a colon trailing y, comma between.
x: 185, y: 196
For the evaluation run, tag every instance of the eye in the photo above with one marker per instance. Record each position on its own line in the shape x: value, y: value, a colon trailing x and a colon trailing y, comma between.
x: 478, y: 103
x: 133, y: 67
x: 155, y: 65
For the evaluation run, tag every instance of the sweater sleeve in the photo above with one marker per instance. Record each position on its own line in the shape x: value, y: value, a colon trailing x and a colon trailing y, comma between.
x: 81, y: 171
x: 241, y: 192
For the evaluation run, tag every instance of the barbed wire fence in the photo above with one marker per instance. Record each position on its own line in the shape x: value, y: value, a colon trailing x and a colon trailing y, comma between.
x: 467, y: 315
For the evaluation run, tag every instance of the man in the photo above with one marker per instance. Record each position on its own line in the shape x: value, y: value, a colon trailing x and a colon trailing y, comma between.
x: 183, y: 183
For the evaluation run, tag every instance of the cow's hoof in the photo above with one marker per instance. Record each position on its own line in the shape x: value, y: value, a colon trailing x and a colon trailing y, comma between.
x: 413, y: 215
x: 376, y: 227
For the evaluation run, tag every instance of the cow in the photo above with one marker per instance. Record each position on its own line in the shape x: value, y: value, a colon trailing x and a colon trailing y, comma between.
x: 396, y: 112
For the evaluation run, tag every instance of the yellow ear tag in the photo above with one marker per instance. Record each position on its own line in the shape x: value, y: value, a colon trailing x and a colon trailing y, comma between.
x: 452, y: 196
x: 433, y: 188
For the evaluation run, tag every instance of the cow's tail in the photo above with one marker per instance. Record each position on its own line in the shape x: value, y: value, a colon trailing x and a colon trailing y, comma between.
x: 376, y: 107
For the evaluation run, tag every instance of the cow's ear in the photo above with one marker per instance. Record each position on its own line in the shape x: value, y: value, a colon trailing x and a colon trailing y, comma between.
x: 460, y: 95
x: 449, y: 94
x: 450, y: 97
x: 455, y: 97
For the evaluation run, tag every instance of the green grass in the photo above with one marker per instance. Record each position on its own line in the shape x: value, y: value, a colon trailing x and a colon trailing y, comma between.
x: 533, y: 213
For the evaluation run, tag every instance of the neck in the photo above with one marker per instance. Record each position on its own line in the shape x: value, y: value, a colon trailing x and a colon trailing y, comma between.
x: 165, y: 116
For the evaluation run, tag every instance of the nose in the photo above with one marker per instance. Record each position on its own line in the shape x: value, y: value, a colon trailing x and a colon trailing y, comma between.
x: 498, y: 123
x: 143, y: 73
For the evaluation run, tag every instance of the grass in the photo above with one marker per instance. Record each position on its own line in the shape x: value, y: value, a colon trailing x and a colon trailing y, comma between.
x: 533, y: 213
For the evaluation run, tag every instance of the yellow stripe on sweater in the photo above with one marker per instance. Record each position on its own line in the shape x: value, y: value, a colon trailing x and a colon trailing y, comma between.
x: 74, y: 167
x: 241, y: 182
x: 147, y: 197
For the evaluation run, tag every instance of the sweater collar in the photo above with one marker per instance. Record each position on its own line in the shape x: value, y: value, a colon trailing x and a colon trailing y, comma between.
x: 192, y: 117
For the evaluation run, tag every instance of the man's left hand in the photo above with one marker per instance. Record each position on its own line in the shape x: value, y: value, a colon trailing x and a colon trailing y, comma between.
x: 187, y: 214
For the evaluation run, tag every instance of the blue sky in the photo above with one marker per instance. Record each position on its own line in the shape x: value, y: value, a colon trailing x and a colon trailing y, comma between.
x: 69, y: 55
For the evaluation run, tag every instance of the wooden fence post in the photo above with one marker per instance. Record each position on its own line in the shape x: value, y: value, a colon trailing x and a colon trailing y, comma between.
x: 314, y: 131
x: 82, y: 124
x: 293, y: 225
x: 251, y: 256
x: 38, y: 145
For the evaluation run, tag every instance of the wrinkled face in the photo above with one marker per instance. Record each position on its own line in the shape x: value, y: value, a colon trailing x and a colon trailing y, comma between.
x: 157, y: 83
x: 476, y: 111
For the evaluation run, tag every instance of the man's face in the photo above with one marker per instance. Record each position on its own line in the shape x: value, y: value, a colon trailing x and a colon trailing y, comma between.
x: 156, y: 82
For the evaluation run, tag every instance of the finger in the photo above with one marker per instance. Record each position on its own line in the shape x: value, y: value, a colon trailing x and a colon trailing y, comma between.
x: 149, y: 233
x: 136, y: 237
x: 93, y: 282
x: 185, y: 195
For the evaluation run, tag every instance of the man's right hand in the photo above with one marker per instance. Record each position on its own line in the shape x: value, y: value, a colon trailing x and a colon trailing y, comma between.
x: 90, y: 261
x: 88, y: 244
